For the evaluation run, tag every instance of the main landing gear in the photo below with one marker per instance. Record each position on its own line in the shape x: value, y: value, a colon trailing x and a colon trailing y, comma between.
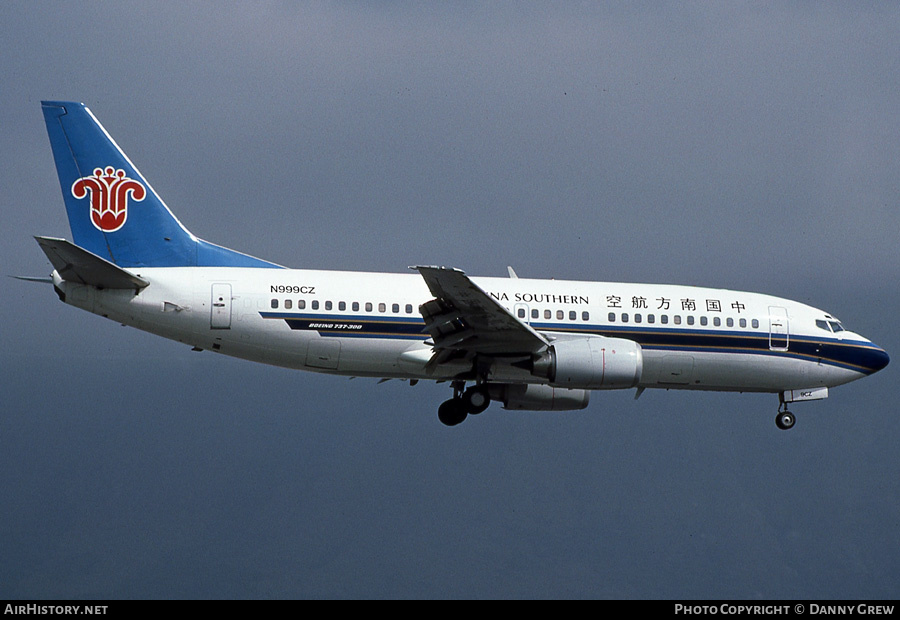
x: 465, y: 402
x: 785, y: 419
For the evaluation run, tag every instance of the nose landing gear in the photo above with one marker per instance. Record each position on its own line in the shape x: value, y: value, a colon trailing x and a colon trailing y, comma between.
x: 785, y: 419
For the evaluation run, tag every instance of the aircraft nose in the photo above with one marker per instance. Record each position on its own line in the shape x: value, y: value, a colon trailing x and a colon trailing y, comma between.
x: 876, y: 359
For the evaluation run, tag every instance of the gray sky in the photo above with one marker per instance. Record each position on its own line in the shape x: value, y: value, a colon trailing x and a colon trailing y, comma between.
x: 745, y: 146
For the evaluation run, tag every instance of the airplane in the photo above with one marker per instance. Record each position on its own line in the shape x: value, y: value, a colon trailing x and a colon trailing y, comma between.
x: 529, y: 344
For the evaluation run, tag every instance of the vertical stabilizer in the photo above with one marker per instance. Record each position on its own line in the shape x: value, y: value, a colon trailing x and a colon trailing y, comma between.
x: 113, y: 211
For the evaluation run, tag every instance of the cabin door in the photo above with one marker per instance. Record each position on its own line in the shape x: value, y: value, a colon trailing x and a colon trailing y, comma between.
x: 220, y: 312
x: 779, y: 338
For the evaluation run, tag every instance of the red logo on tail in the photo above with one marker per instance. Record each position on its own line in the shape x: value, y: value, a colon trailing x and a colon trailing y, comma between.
x: 109, y: 191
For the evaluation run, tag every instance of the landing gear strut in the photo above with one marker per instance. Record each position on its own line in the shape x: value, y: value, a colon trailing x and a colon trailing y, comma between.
x: 785, y: 419
x: 464, y: 402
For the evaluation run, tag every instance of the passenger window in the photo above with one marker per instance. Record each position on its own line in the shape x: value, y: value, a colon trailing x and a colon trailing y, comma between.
x: 717, y: 321
x: 547, y: 314
x: 637, y: 317
x: 521, y: 313
x: 690, y: 320
x: 612, y: 317
x: 559, y: 315
x: 651, y: 318
x: 287, y: 304
x: 328, y: 305
x: 395, y: 308
x: 572, y: 315
x: 755, y: 323
x: 301, y: 304
x: 535, y: 314
x: 382, y: 307
x: 342, y: 305
x: 408, y: 308
x: 585, y: 316
x: 368, y: 306
x: 624, y: 317
x: 274, y: 304
x: 677, y: 319
x: 315, y: 304
x: 703, y: 321
x: 729, y: 322
x: 743, y: 322
x: 355, y: 306
x: 664, y: 319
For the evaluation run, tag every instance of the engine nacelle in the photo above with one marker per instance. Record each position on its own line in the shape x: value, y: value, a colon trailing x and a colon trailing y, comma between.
x: 593, y: 363
x: 539, y: 397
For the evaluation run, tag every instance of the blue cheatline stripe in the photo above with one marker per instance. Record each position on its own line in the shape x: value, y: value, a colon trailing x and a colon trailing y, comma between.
x: 858, y: 356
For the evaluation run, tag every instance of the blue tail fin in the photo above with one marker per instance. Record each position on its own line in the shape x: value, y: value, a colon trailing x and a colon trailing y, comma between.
x: 113, y: 211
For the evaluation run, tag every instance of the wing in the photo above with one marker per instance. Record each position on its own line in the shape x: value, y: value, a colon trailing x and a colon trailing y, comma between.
x: 464, y: 321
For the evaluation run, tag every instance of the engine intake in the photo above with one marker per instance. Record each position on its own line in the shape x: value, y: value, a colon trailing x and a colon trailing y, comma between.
x: 593, y: 363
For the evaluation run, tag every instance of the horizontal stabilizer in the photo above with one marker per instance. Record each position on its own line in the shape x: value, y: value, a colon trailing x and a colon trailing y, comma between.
x: 76, y: 264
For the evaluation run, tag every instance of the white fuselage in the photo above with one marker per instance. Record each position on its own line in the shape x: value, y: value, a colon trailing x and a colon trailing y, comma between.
x: 368, y: 324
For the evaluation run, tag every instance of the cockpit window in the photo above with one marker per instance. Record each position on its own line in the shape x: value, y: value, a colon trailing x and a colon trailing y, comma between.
x: 830, y: 326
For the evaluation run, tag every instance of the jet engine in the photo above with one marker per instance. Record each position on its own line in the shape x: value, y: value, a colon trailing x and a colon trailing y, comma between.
x: 593, y: 363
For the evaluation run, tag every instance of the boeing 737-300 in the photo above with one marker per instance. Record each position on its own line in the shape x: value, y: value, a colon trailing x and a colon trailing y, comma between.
x: 529, y: 344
